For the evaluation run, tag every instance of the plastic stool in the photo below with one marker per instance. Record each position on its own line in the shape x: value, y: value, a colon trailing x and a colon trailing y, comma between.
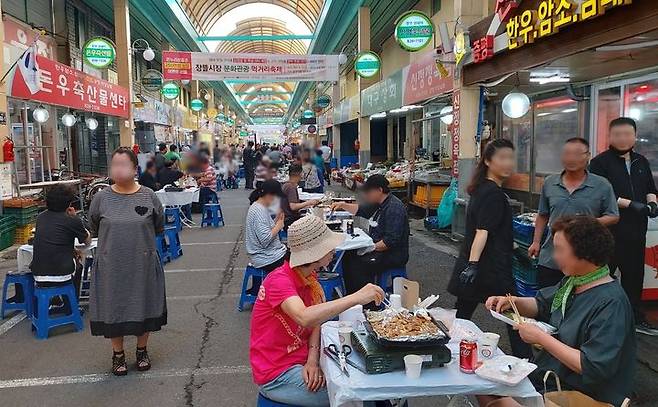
x: 42, y: 321
x: 385, y: 280
x: 26, y: 282
x: 240, y: 172
x: 283, y: 236
x: 161, y: 246
x: 173, y: 242
x: 330, y: 284
x: 265, y: 402
x: 174, y: 214
x: 212, y: 215
x: 255, y: 275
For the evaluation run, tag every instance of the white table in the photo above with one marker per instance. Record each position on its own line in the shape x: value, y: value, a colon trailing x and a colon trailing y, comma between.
x: 307, y: 196
x: 178, y: 198
x: 24, y: 254
x: 447, y: 380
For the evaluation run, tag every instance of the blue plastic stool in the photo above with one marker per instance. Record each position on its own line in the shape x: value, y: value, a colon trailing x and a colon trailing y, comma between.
x: 329, y: 284
x: 161, y: 246
x: 254, y: 274
x: 265, y: 402
x: 26, y: 282
x: 283, y: 236
x: 173, y: 242
x: 42, y: 321
x: 212, y: 215
x: 240, y: 173
x: 172, y: 217
x: 385, y: 280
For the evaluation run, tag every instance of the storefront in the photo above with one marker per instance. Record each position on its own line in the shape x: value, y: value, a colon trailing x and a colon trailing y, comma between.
x: 345, y: 115
x: 152, y: 124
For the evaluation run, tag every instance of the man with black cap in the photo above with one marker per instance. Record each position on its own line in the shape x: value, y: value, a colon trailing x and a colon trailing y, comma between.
x: 635, y: 190
x: 389, y: 229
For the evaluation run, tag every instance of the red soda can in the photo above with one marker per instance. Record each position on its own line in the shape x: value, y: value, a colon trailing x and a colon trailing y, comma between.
x: 468, y: 355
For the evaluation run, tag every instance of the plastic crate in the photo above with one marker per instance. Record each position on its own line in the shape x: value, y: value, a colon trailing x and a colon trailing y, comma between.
x: 23, y: 216
x: 7, y: 238
x: 523, y: 230
x: 524, y: 289
x: 525, y: 269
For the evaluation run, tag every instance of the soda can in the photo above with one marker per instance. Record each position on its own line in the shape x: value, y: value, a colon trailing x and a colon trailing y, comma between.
x: 468, y: 355
x: 350, y: 227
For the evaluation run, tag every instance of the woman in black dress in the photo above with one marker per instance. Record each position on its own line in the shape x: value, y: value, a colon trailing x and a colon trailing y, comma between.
x: 484, y: 265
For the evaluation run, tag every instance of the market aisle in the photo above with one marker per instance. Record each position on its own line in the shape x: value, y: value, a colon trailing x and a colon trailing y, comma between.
x: 200, y: 358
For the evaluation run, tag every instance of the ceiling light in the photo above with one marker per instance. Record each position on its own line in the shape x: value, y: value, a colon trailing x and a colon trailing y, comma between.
x: 149, y: 54
x: 411, y: 107
x: 571, y: 110
x: 221, y: 106
x: 68, y: 119
x: 40, y: 114
x: 516, y: 104
x: 92, y: 124
x: 635, y: 113
x: 446, y: 114
x: 207, y: 96
x: 400, y: 110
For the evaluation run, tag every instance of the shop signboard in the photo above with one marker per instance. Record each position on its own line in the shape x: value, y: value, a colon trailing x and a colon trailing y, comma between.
x: 99, y: 52
x: 152, y: 80
x: 154, y: 111
x: 311, y: 129
x: 44, y: 80
x: 180, y: 65
x: 367, y: 64
x: 423, y: 80
x: 414, y: 30
x: 383, y: 95
x: 308, y: 114
x: 456, y: 131
x: 323, y: 101
x: 211, y: 112
x: 170, y: 91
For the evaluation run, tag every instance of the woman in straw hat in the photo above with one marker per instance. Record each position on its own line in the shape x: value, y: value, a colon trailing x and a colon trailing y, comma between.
x: 285, y: 324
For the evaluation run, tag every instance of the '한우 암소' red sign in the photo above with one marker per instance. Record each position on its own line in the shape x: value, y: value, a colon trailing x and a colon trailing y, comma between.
x: 44, y: 80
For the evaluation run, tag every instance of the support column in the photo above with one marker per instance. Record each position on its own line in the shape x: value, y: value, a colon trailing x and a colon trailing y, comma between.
x: 124, y: 65
x: 466, y: 101
x: 389, y: 139
x: 364, y: 122
x: 335, y: 133
x: 4, y: 131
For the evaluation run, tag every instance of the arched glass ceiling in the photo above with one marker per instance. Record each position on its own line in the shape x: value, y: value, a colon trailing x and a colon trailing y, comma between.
x: 262, y: 26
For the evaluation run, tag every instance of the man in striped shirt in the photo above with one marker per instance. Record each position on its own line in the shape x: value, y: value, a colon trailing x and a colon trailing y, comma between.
x: 207, y: 180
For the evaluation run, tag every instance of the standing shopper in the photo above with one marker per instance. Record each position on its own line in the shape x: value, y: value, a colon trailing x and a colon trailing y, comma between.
x: 310, y: 179
x: 128, y: 284
x: 249, y: 163
x: 573, y: 192
x: 484, y: 265
x: 326, y: 157
x: 632, y: 180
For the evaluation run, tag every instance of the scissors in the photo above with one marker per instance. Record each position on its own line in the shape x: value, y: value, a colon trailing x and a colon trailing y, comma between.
x: 340, y: 357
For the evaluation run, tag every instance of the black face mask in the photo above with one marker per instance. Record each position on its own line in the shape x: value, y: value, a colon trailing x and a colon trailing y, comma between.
x: 620, y: 152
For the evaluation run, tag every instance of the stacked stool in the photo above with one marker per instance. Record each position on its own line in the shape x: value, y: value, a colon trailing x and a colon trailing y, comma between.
x: 172, y: 217
x: 253, y: 274
x: 41, y: 319
x: 212, y: 215
x: 24, y: 282
x: 175, y: 250
x: 161, y: 246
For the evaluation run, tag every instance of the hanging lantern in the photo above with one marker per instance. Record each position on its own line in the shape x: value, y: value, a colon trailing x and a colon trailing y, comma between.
x: 68, y: 119
x: 446, y: 115
x: 516, y: 104
x: 148, y: 54
x: 40, y: 114
x: 92, y: 124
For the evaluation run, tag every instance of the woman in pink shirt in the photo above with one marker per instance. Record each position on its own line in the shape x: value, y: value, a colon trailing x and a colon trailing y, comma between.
x: 285, y: 323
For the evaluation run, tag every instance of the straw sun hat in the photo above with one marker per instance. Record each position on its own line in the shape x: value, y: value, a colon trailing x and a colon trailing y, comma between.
x: 309, y: 240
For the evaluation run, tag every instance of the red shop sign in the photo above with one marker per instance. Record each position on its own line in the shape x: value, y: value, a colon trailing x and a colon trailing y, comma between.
x: 423, y: 80
x: 456, y: 131
x: 59, y: 84
x: 177, y: 65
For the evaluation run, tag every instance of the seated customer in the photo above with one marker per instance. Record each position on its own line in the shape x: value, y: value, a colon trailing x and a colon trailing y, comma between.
x: 290, y: 203
x: 149, y: 177
x: 53, y: 261
x: 389, y: 229
x: 168, y: 174
x: 594, y: 348
x: 285, y: 345
x: 262, y: 232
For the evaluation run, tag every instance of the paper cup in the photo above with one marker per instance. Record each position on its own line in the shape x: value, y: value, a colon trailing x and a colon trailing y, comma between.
x: 413, y: 365
x: 345, y: 335
x: 487, y: 345
x: 396, y: 301
x: 352, y: 317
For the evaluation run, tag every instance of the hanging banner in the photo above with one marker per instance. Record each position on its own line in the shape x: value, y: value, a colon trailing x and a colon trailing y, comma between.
x: 44, y: 80
x: 212, y: 66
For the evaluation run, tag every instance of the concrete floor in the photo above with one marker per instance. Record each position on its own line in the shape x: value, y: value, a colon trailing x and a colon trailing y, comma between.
x: 201, y: 357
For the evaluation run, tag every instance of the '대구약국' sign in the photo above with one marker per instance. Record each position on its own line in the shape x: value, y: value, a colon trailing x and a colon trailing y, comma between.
x: 177, y: 65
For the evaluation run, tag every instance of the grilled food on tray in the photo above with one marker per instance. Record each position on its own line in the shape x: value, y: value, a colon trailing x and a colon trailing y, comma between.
x: 401, y: 325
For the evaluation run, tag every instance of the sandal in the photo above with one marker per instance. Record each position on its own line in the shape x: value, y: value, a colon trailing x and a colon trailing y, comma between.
x: 143, y: 361
x: 119, y: 366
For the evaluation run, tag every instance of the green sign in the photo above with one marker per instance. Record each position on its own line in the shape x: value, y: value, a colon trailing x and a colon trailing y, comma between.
x: 99, y: 52
x: 384, y: 95
x: 243, y: 133
x: 367, y: 64
x: 170, y: 91
x: 323, y: 101
x: 152, y: 80
x: 308, y: 114
x: 414, y: 30
x: 197, y: 105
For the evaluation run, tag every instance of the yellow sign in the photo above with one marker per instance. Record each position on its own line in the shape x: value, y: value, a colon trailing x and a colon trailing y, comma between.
x: 551, y: 16
x: 443, y: 72
x: 212, y: 112
x: 460, y: 47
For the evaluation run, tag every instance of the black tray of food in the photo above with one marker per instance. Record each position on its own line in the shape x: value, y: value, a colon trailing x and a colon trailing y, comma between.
x: 410, y: 342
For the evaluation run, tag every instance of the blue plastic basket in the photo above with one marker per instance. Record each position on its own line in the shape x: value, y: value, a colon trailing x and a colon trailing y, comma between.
x: 523, y: 230
x: 524, y: 289
x: 525, y: 269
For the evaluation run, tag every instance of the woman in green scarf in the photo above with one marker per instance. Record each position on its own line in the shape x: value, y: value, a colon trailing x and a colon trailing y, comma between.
x: 593, y: 350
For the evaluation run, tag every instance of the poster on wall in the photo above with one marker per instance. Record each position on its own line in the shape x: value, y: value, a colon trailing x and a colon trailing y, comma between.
x: 41, y: 79
x: 6, y: 184
x: 180, y: 65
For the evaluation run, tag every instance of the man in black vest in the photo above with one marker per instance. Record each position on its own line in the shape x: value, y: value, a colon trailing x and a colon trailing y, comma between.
x: 632, y: 180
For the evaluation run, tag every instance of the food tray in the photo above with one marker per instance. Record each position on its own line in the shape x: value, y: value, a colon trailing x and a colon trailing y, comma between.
x: 409, y: 342
x: 491, y: 370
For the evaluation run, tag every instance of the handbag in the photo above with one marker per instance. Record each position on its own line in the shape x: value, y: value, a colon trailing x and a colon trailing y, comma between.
x: 571, y: 398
